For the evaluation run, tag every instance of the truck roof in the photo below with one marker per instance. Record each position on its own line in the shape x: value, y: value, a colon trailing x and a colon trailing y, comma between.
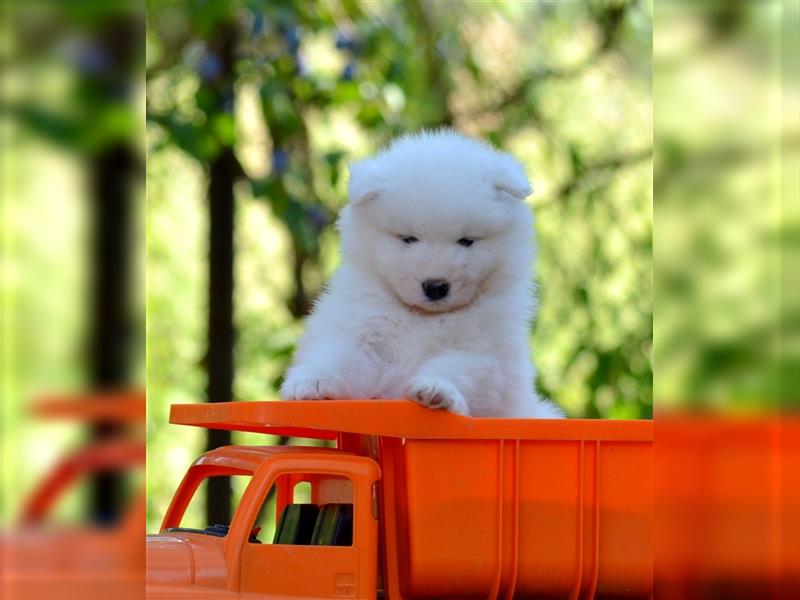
x: 325, y: 419
x: 249, y: 458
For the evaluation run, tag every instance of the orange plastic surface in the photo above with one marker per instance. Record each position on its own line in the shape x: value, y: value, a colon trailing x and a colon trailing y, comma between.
x: 322, y: 419
x: 476, y: 507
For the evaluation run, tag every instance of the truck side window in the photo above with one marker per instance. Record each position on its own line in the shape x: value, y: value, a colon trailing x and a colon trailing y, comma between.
x: 314, y: 510
x: 302, y: 493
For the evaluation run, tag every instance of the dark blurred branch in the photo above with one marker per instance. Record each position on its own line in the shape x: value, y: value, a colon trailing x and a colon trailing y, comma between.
x: 536, y: 77
x: 190, y: 138
x: 291, y: 188
x: 53, y: 127
x: 675, y: 162
x: 287, y: 208
x: 436, y: 74
x: 592, y: 171
x: 610, y: 19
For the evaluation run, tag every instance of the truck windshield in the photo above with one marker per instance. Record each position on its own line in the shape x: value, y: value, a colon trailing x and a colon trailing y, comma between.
x: 195, y: 518
x: 299, y: 509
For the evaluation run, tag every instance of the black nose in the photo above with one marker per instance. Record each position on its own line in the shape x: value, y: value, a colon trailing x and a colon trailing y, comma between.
x: 435, y: 289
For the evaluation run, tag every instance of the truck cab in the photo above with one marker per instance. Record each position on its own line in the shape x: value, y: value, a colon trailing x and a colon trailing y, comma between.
x: 277, y: 544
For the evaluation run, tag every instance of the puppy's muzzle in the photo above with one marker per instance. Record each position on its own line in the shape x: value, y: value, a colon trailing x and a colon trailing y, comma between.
x: 435, y: 289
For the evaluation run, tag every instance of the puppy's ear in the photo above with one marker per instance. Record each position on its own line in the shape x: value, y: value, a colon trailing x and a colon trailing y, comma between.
x: 510, y: 178
x: 365, y: 182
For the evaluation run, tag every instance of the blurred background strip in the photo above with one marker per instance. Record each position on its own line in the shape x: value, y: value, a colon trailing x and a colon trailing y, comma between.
x: 73, y: 412
x: 726, y: 273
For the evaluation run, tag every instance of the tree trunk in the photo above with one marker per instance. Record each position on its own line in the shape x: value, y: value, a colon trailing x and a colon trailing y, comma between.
x: 112, y: 193
x: 223, y: 170
x: 111, y: 334
x: 220, y: 318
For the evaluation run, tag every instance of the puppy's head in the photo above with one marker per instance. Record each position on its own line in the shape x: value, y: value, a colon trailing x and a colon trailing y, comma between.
x: 438, y: 218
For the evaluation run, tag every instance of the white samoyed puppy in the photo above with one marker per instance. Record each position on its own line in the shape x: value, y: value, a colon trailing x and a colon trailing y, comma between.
x: 434, y: 296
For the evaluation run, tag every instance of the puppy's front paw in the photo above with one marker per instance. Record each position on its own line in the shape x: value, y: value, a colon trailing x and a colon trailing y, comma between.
x: 300, y: 386
x: 436, y: 392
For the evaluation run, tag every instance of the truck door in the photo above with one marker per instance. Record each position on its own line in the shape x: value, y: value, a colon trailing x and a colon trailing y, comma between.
x: 307, y: 539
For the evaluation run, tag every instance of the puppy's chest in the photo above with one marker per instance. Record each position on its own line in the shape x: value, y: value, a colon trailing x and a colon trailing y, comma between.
x: 392, y: 339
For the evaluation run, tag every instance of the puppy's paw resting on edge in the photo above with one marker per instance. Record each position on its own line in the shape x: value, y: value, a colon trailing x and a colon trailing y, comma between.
x: 305, y: 384
x: 437, y: 392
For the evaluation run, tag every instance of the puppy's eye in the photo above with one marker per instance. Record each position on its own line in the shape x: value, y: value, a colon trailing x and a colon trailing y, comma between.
x: 409, y: 239
x: 466, y: 242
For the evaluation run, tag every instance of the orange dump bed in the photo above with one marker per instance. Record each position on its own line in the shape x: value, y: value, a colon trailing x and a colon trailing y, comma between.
x: 486, y: 507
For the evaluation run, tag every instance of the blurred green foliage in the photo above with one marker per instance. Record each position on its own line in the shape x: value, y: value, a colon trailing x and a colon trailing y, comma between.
x: 728, y: 219
x: 565, y: 86
x: 68, y: 101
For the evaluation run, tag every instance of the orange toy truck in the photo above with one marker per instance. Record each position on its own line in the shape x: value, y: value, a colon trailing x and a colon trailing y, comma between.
x: 413, y: 503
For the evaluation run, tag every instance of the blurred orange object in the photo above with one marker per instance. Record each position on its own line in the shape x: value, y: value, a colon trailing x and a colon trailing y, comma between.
x: 41, y: 559
x: 82, y: 561
x: 727, y: 509
x: 112, y: 406
x: 441, y: 505
x: 111, y: 455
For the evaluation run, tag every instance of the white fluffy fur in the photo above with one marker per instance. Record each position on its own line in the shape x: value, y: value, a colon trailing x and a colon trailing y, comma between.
x: 374, y: 334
